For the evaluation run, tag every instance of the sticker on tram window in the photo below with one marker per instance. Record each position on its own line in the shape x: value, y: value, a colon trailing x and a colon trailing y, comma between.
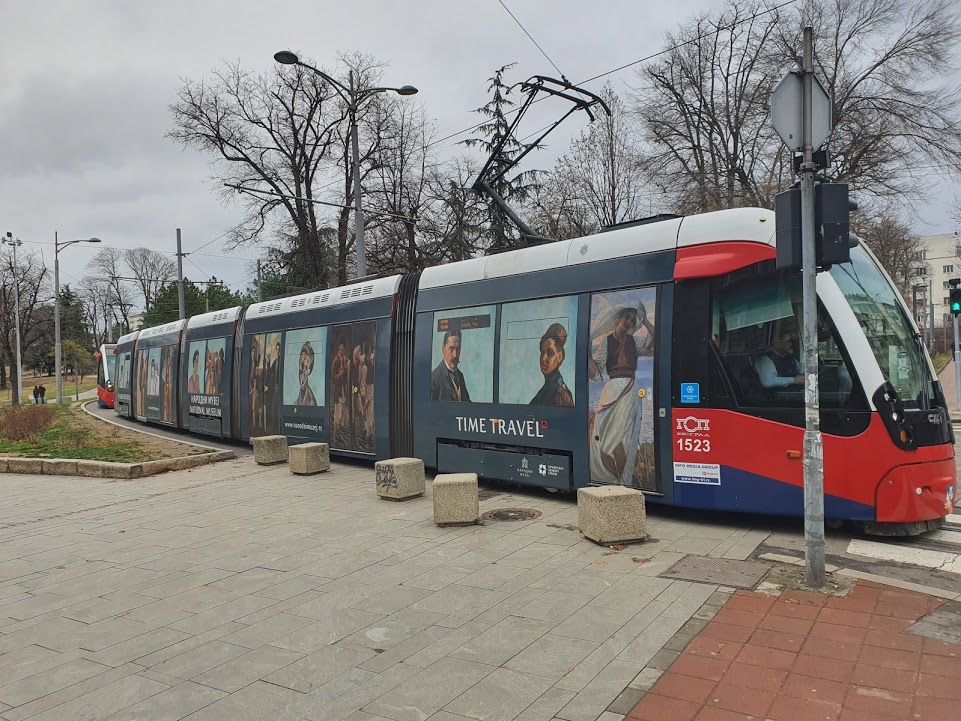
x: 690, y: 392
x: 702, y: 474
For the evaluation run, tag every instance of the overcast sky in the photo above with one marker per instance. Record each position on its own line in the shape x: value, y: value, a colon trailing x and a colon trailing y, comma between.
x: 85, y: 87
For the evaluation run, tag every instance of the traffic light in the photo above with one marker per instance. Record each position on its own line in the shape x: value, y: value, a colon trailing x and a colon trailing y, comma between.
x: 832, y: 229
x: 956, y: 301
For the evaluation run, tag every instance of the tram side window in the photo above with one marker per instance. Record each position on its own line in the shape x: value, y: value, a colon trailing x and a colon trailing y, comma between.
x: 757, y: 332
x: 538, y: 339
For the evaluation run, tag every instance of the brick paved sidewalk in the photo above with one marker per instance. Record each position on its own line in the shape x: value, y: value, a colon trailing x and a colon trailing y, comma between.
x: 808, y: 657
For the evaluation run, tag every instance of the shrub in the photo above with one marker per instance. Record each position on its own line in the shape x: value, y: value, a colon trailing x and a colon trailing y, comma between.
x: 25, y: 423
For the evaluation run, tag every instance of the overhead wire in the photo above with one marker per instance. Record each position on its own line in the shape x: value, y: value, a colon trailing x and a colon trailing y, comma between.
x: 536, y: 44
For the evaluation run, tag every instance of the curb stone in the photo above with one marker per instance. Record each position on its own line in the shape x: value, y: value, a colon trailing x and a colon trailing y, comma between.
x: 107, y: 469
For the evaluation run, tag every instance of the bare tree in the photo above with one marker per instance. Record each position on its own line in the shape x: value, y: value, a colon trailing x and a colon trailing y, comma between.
x: 886, y: 63
x: 152, y: 270
x: 399, y: 189
x: 705, y: 109
x: 705, y: 105
x: 107, y: 270
x: 604, y: 163
x: 894, y: 245
x: 558, y: 209
x: 269, y: 133
x: 30, y: 278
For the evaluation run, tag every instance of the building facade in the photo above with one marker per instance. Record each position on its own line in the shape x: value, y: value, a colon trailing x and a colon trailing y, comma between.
x: 938, y: 261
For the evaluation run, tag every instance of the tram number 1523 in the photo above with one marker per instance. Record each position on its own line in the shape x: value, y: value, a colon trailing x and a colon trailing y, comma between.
x: 698, y: 445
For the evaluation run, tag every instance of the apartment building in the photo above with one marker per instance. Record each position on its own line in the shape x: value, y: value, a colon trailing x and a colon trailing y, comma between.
x: 938, y: 261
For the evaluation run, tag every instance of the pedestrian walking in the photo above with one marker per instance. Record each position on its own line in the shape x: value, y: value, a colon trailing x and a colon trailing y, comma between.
x: 43, y: 394
x: 36, y: 395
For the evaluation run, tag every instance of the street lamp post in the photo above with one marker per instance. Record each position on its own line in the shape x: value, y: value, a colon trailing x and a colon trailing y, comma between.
x: 57, y: 247
x: 353, y: 96
x: 17, y: 398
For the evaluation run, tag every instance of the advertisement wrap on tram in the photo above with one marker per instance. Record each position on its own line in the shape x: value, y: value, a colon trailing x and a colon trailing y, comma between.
x: 662, y: 356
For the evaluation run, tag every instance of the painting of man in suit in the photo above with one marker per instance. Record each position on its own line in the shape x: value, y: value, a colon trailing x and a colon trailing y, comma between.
x: 447, y: 381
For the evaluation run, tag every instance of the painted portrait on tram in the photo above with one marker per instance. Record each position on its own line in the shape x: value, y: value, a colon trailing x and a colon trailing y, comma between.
x: 463, y: 355
x: 537, y: 342
x: 621, y: 381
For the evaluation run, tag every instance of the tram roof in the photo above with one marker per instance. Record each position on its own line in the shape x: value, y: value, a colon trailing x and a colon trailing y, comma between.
x: 738, y: 224
x: 128, y: 337
x: 354, y: 293
x: 158, y: 331
x: 216, y: 317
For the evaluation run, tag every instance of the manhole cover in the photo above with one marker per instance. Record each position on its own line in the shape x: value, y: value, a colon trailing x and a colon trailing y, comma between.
x: 720, y: 571
x: 485, y: 493
x: 510, y: 514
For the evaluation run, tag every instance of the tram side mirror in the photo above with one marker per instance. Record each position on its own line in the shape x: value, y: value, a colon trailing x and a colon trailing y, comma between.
x: 853, y: 241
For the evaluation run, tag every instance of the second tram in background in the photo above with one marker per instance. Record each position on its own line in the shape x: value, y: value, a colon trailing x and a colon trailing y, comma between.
x: 106, y: 374
x: 661, y: 356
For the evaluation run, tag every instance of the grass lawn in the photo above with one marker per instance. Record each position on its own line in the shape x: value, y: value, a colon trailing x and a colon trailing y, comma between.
x: 69, y: 434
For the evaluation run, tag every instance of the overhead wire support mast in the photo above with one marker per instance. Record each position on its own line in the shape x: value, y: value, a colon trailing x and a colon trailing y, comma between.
x: 580, y: 98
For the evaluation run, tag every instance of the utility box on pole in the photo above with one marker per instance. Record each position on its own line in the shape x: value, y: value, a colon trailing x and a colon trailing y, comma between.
x: 832, y: 226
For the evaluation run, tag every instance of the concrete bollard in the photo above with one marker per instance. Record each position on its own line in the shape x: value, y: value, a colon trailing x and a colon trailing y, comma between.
x: 270, y: 449
x: 455, y: 498
x: 305, y: 459
x: 400, y: 478
x: 611, y: 514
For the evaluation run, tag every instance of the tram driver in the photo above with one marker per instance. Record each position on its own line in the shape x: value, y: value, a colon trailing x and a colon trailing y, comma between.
x: 779, y: 367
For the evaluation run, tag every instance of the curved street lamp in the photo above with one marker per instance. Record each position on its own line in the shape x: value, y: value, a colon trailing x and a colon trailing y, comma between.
x: 353, y: 96
x: 57, y: 247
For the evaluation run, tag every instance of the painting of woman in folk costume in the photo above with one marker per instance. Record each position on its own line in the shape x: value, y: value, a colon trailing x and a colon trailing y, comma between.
x: 621, y: 374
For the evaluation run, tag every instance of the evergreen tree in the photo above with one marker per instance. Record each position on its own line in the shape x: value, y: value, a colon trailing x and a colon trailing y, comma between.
x: 166, y: 304
x: 515, y: 188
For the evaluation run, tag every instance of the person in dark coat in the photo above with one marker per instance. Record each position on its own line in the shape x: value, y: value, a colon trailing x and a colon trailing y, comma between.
x: 36, y: 394
x: 554, y: 392
x: 43, y: 394
x: 446, y: 380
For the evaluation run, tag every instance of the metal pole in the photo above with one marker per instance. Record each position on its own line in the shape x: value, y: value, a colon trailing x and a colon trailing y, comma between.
x: 16, y: 397
x: 358, y: 211
x: 957, y: 368
x: 180, y: 278
x: 931, y: 340
x: 56, y: 318
x: 813, y: 458
x: 260, y: 284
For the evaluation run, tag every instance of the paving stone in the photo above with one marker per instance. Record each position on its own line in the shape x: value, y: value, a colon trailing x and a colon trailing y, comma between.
x: 501, y: 696
x: 430, y: 690
x: 318, y: 668
x: 105, y: 701
x: 503, y: 641
x: 327, y: 631
x: 545, y: 707
x: 171, y: 705
x: 27, y: 661
x: 197, y: 660
x: 554, y: 606
x: 137, y: 647
x: 263, y: 632
x: 243, y: 670
x: 552, y: 656
x: 40, y: 684
x: 252, y: 702
x: 590, y: 703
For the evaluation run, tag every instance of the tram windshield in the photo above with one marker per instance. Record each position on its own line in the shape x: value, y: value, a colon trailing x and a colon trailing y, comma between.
x: 896, y: 347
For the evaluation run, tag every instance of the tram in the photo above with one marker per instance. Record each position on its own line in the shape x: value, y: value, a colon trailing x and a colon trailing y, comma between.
x: 657, y: 355
x: 106, y: 372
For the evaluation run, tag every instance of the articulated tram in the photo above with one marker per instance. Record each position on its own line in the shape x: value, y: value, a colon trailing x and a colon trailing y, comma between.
x: 661, y: 356
x: 106, y: 370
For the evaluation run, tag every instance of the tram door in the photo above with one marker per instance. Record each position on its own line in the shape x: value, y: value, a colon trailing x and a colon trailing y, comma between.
x: 352, y: 374
x: 623, y: 416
